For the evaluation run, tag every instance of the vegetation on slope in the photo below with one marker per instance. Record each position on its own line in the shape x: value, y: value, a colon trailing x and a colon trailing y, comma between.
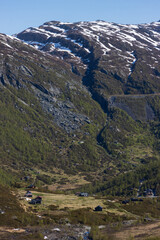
x: 50, y: 120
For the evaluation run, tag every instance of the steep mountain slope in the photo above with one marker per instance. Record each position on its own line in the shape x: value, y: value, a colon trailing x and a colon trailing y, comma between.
x: 47, y: 116
x: 68, y: 88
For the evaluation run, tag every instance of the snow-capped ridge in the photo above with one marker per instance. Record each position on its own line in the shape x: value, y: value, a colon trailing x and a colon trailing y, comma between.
x: 108, y: 41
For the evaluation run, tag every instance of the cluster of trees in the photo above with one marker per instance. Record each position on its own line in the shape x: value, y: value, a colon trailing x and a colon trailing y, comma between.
x: 127, y: 184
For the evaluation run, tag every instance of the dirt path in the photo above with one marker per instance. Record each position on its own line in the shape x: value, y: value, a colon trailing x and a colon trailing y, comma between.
x: 134, y: 95
x: 139, y: 232
x: 11, y: 230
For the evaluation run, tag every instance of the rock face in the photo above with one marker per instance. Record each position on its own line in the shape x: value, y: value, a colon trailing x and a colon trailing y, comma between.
x: 110, y: 58
x: 138, y: 107
x: 50, y: 95
x: 116, y: 51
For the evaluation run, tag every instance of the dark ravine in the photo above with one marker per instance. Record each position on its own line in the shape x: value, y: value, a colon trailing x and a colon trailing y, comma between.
x: 89, y: 80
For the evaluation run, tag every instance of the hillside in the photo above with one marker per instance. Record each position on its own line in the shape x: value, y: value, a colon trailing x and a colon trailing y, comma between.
x: 82, y: 99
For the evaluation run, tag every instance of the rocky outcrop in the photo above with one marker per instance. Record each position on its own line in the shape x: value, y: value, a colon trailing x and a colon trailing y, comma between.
x: 50, y: 81
x: 138, y: 107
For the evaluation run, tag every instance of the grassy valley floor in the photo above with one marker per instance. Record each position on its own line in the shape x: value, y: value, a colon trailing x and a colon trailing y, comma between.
x: 68, y: 216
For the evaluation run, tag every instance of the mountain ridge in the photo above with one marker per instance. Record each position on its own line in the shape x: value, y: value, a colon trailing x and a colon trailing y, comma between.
x: 79, y: 36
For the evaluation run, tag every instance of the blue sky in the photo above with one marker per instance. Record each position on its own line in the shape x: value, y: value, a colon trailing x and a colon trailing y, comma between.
x: 17, y: 15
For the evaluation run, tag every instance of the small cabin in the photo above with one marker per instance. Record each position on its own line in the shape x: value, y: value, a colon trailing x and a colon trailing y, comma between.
x: 98, y: 209
x: 149, y: 193
x: 134, y: 199
x: 36, y: 200
x: 31, y: 186
x: 125, y: 201
x: 28, y: 194
x: 83, y: 194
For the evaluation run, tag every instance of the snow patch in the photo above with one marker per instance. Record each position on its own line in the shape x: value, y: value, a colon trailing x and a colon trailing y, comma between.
x: 6, y: 44
x: 134, y: 59
x: 54, y: 28
x: 114, y: 47
x: 20, y: 100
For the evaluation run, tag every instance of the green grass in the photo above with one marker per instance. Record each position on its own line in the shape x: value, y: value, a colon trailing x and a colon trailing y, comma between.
x: 12, y: 214
x: 147, y: 208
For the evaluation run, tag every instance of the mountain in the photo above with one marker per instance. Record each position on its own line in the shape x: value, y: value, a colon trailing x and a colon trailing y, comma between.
x: 106, y: 50
x: 82, y: 97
